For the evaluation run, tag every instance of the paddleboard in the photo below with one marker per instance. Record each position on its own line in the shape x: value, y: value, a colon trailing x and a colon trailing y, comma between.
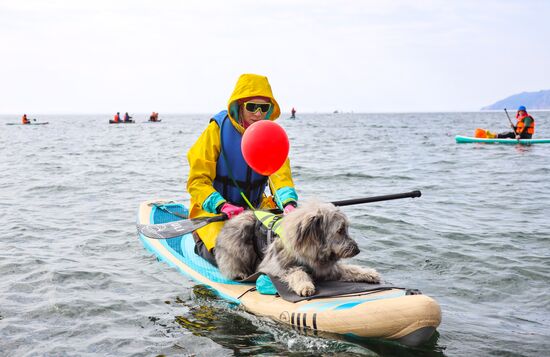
x: 468, y: 139
x: 399, y: 314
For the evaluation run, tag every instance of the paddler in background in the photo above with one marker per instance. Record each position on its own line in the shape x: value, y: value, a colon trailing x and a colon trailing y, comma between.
x: 216, y: 181
x: 116, y: 119
x: 293, y: 113
x: 154, y: 116
x: 127, y: 117
x: 24, y: 119
x: 525, y: 127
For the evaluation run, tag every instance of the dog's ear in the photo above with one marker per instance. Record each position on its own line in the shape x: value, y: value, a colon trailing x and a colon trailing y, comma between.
x: 312, y: 229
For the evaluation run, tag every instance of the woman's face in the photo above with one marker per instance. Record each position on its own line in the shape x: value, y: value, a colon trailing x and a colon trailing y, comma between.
x: 250, y: 118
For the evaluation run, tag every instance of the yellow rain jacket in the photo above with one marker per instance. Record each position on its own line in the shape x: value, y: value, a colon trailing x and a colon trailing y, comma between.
x: 204, y: 154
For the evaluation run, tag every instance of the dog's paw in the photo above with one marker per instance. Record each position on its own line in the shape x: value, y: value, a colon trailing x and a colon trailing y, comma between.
x: 370, y: 276
x: 237, y: 275
x: 305, y: 289
x: 241, y: 276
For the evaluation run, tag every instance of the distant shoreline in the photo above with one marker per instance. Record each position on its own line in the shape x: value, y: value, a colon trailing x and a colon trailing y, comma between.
x: 283, y: 115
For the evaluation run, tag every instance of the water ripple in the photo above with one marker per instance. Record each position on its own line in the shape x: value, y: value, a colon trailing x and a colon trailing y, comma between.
x: 77, y: 281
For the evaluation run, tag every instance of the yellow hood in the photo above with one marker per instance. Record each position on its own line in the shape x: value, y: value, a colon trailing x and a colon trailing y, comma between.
x: 252, y: 85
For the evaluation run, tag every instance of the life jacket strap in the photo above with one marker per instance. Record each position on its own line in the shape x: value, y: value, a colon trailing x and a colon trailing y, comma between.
x: 270, y: 229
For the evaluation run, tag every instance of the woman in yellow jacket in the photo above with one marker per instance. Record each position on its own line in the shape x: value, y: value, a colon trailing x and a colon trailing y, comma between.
x: 219, y: 180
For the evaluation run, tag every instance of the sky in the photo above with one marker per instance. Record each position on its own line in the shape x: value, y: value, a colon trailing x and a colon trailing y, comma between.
x: 80, y: 56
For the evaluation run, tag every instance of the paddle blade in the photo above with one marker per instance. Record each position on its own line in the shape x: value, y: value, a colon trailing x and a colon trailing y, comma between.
x: 170, y: 229
x: 177, y: 228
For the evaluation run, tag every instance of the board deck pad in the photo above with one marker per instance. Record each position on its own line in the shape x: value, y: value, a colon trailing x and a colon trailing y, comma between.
x: 324, y: 289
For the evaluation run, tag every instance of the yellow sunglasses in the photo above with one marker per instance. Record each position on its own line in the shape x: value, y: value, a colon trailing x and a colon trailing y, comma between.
x: 254, y: 107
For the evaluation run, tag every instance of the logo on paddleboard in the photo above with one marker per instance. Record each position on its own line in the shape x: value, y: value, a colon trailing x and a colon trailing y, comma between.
x: 284, y: 316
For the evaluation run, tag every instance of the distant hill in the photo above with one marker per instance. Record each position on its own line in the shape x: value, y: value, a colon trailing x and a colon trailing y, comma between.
x: 532, y: 100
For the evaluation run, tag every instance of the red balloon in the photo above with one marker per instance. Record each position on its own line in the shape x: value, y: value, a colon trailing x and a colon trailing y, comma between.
x: 265, y: 147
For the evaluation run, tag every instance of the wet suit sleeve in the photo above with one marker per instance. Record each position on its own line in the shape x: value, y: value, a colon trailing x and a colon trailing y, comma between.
x: 203, y: 157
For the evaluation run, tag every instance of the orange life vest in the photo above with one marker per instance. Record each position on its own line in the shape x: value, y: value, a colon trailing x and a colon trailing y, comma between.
x: 521, y: 125
x: 117, y: 118
x: 24, y: 120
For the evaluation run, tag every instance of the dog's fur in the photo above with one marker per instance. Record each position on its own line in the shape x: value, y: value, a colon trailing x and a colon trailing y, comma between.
x: 316, y: 237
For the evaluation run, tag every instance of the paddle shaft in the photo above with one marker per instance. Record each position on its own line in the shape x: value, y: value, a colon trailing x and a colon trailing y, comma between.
x: 510, y: 120
x: 357, y: 201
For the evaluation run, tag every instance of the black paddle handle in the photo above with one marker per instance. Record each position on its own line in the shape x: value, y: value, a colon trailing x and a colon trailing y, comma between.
x: 395, y: 196
x: 510, y: 120
x: 218, y: 218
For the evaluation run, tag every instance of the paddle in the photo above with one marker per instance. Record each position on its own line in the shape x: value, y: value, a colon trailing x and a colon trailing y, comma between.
x: 179, y: 228
x: 511, y: 124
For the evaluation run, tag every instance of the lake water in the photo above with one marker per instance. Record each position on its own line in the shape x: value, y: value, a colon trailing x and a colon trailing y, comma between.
x: 76, y: 281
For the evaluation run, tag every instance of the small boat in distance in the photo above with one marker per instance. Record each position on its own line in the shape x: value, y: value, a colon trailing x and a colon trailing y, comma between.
x: 28, y: 124
x: 292, y: 113
x: 127, y: 119
x: 111, y: 121
x: 154, y: 117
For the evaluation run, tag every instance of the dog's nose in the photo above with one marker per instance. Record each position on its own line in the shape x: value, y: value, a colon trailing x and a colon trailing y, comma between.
x: 353, y: 251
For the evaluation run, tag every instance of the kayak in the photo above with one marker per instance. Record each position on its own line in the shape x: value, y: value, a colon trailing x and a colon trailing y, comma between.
x: 469, y: 139
x: 121, y: 122
x: 391, y: 313
x: 44, y: 123
x: 154, y: 121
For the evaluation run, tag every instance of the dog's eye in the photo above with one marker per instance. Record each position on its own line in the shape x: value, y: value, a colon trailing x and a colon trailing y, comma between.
x: 342, y: 230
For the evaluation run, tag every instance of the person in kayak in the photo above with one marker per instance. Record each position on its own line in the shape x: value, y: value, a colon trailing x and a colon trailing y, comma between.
x: 154, y: 116
x: 293, y: 113
x: 525, y: 127
x: 24, y: 119
x: 116, y: 118
x: 220, y: 179
x: 127, y: 117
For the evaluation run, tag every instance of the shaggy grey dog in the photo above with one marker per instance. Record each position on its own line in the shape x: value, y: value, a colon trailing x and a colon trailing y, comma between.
x: 315, y: 239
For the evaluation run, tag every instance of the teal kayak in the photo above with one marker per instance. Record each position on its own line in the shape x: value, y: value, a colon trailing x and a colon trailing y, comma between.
x: 468, y: 139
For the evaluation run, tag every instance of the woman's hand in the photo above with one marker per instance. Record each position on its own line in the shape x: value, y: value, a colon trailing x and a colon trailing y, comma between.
x: 231, y: 210
x: 288, y: 208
